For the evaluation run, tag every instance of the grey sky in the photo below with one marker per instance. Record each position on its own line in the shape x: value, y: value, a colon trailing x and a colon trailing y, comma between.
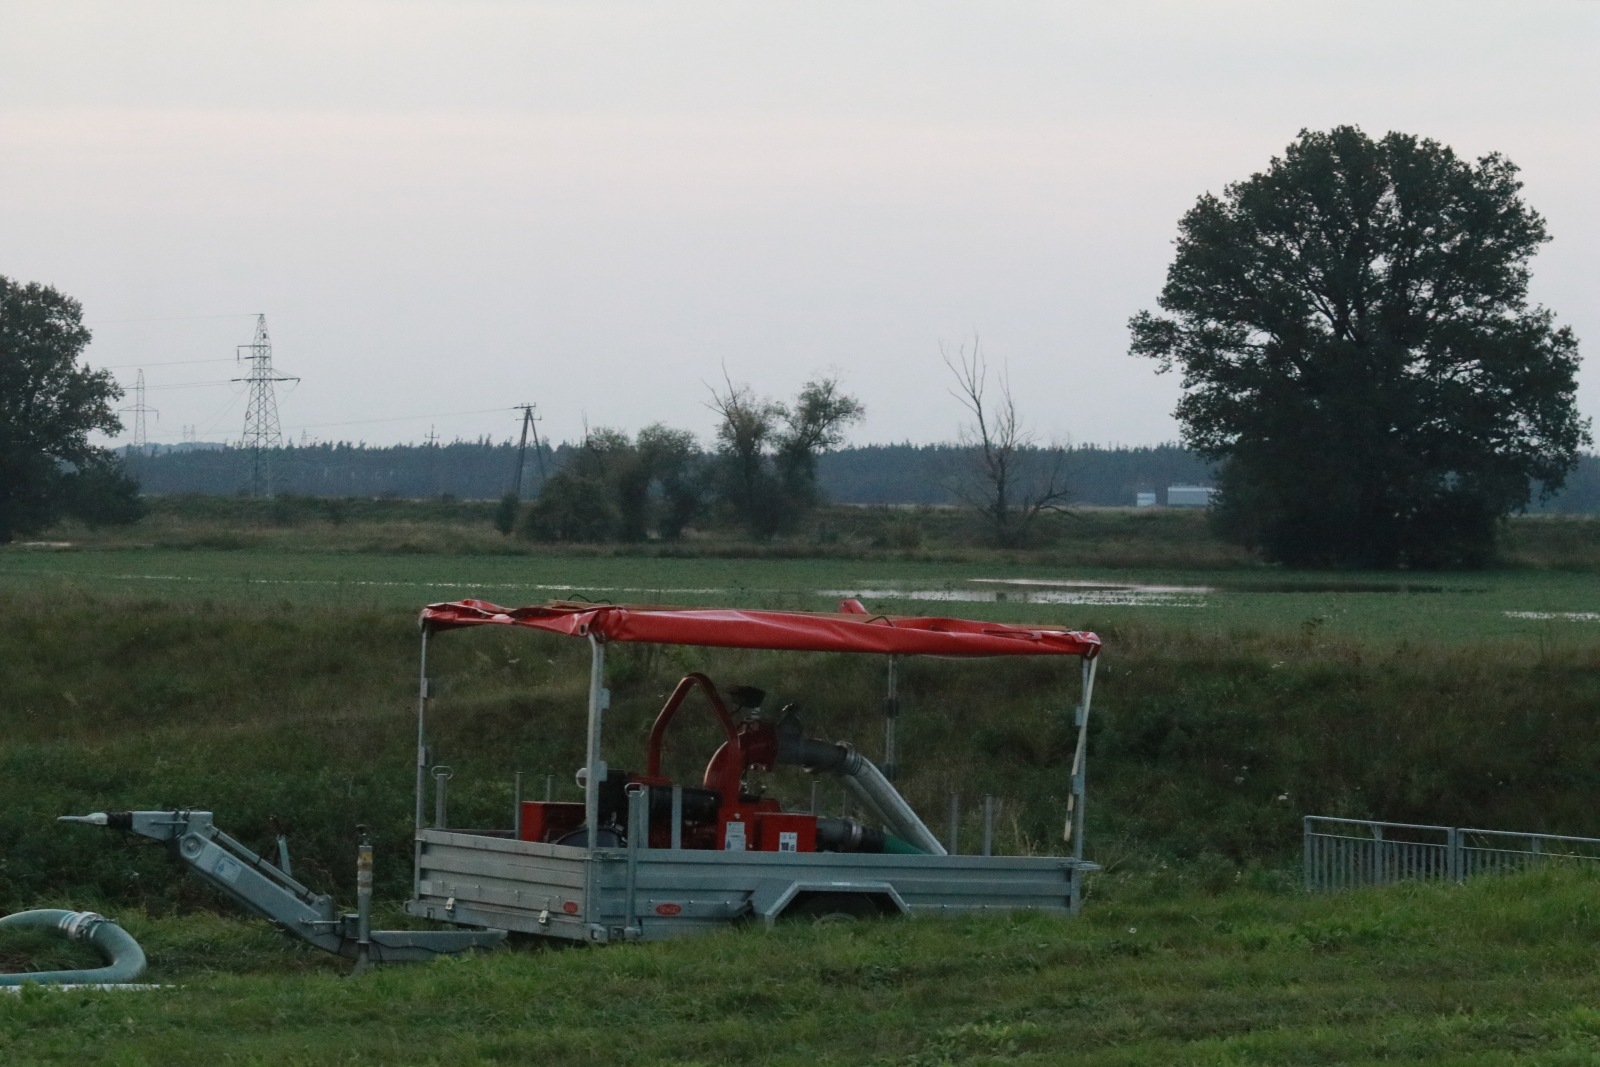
x: 448, y: 208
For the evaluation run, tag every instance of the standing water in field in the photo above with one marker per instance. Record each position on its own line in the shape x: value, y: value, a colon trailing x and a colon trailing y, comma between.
x: 1045, y: 591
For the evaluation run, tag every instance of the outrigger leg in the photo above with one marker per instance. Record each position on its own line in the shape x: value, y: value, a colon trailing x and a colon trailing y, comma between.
x: 268, y: 890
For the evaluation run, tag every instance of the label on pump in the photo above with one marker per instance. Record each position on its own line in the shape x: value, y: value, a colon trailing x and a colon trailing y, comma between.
x: 733, y: 839
x: 788, y: 841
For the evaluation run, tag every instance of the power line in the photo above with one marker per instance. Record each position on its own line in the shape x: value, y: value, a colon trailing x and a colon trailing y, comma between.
x: 175, y: 318
x: 195, y: 385
x: 352, y: 422
x: 168, y: 363
x: 205, y: 425
x: 405, y: 418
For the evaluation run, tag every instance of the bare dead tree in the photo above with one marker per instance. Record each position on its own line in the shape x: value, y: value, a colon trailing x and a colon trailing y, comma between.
x: 1015, y: 480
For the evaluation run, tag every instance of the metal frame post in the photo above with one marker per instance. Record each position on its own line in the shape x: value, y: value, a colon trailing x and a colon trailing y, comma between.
x: 1078, y: 795
x: 516, y: 806
x: 595, y: 770
x: 441, y: 796
x: 422, y: 764
x: 891, y: 713
x: 1305, y: 851
x: 638, y: 838
x: 677, y: 816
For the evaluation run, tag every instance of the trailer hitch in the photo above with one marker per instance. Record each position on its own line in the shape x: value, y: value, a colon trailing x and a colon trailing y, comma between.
x: 268, y: 890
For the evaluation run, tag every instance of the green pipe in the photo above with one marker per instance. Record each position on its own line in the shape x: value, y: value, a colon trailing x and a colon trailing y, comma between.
x: 900, y: 847
x: 124, y: 958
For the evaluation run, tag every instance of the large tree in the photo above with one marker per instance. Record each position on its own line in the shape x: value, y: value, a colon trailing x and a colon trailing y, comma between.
x: 1357, y: 345
x: 612, y: 488
x: 49, y: 406
x: 765, y: 474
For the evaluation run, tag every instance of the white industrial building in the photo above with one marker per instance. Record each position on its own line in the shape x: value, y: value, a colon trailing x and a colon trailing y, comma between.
x: 1189, y: 496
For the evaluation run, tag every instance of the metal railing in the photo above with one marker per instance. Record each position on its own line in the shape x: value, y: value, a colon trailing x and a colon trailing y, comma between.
x: 1347, y: 853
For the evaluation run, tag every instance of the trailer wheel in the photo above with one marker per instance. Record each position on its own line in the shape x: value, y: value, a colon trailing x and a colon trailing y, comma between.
x: 833, y: 908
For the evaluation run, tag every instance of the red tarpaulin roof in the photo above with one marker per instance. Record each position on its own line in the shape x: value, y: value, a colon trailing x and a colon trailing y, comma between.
x: 791, y: 631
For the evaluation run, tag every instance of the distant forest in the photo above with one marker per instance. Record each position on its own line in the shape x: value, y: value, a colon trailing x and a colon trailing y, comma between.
x: 869, y: 474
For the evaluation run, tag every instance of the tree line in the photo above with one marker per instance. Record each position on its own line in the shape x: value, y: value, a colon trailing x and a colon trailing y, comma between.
x: 906, y: 474
x: 899, y: 474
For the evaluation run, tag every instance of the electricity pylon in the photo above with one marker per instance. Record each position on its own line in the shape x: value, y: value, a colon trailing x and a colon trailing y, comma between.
x: 141, y: 440
x: 261, y: 430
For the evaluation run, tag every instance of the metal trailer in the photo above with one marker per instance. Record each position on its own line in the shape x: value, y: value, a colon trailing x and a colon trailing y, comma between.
x: 642, y: 883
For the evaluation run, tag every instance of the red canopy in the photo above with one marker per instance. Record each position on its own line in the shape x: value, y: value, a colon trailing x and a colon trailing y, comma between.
x: 792, y: 631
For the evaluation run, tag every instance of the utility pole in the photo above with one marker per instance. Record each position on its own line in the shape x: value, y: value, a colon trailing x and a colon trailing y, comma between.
x: 433, y: 460
x: 141, y: 440
x: 529, y: 422
x: 261, y: 430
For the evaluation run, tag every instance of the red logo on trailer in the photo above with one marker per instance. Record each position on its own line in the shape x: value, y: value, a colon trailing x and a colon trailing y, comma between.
x: 669, y: 909
x: 570, y: 907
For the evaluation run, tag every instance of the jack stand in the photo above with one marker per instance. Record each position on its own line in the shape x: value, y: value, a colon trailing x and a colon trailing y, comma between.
x: 363, y: 902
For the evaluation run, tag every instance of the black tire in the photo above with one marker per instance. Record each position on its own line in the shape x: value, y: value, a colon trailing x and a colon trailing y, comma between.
x: 833, y: 908
x: 579, y: 838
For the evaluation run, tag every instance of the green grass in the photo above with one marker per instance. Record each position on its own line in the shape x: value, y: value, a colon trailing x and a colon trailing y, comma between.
x: 1215, y: 726
x: 278, y: 680
x: 1495, y: 971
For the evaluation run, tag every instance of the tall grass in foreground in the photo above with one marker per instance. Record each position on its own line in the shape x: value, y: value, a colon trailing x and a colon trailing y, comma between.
x: 1499, y: 970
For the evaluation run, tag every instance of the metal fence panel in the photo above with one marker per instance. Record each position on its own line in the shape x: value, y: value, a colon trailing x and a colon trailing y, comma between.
x: 1347, y: 853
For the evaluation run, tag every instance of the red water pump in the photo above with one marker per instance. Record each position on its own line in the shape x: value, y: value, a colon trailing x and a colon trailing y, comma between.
x: 719, y: 813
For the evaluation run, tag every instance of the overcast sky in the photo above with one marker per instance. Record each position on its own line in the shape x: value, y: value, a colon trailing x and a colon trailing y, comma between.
x: 445, y: 209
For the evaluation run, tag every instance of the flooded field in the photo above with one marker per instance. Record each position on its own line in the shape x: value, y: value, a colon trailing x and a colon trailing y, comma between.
x: 1082, y: 591
x: 1046, y: 591
x: 1540, y: 606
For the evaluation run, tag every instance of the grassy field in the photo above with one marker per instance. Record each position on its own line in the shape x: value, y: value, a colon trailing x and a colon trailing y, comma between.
x: 1538, y: 606
x: 275, y: 676
x: 1099, y: 537
x: 1497, y: 971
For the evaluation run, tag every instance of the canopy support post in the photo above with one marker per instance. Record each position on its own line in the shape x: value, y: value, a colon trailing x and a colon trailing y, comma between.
x: 1073, y: 831
x: 422, y: 760
x: 594, y: 773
